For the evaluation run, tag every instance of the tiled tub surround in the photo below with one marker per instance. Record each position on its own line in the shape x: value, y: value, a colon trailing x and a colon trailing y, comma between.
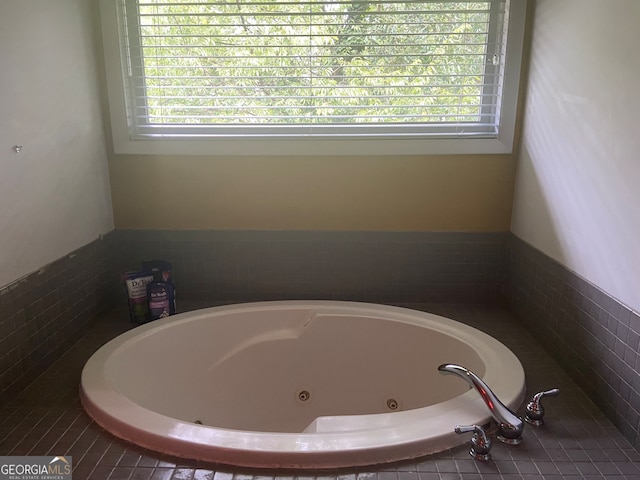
x: 591, y: 334
x: 241, y: 266
x: 576, y: 442
x: 46, y: 312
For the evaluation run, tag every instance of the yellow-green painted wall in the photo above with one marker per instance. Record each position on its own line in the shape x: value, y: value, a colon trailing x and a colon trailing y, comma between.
x: 406, y: 193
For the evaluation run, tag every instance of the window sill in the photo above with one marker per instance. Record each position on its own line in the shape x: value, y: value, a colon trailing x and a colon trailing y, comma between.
x: 310, y: 146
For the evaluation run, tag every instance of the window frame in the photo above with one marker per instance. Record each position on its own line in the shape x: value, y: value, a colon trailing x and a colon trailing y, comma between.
x: 115, y: 59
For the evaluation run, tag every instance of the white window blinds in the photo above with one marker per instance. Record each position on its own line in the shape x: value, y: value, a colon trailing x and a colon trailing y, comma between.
x: 316, y: 67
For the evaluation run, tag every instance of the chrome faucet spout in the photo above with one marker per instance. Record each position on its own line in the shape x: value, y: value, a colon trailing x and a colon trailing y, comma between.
x: 510, y: 426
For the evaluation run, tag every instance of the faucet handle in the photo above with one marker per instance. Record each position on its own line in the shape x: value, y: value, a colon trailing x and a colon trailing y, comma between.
x: 535, y: 410
x: 480, y: 442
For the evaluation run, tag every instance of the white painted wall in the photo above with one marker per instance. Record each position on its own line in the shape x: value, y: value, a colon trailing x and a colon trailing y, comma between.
x: 578, y: 183
x: 54, y: 195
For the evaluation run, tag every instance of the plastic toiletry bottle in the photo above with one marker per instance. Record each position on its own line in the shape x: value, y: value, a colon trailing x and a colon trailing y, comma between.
x: 159, y: 297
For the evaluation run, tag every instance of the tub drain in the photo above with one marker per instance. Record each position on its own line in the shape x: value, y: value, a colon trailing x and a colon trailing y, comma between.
x: 392, y: 404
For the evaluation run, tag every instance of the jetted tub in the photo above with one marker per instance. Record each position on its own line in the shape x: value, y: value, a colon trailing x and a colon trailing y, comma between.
x: 296, y: 384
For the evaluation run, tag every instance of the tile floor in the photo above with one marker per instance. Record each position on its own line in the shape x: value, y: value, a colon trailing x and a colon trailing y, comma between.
x: 576, y: 442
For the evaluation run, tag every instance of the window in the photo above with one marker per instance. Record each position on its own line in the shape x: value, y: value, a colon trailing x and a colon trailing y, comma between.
x: 314, y: 76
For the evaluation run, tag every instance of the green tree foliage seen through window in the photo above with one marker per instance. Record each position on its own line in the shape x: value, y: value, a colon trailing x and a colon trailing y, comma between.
x: 315, y: 62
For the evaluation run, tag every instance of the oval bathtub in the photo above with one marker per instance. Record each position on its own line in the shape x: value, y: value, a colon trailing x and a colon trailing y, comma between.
x: 296, y: 384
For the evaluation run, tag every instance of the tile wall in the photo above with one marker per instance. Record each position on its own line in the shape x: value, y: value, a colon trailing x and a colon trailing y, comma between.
x: 383, y: 267
x: 43, y: 314
x: 592, y: 335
